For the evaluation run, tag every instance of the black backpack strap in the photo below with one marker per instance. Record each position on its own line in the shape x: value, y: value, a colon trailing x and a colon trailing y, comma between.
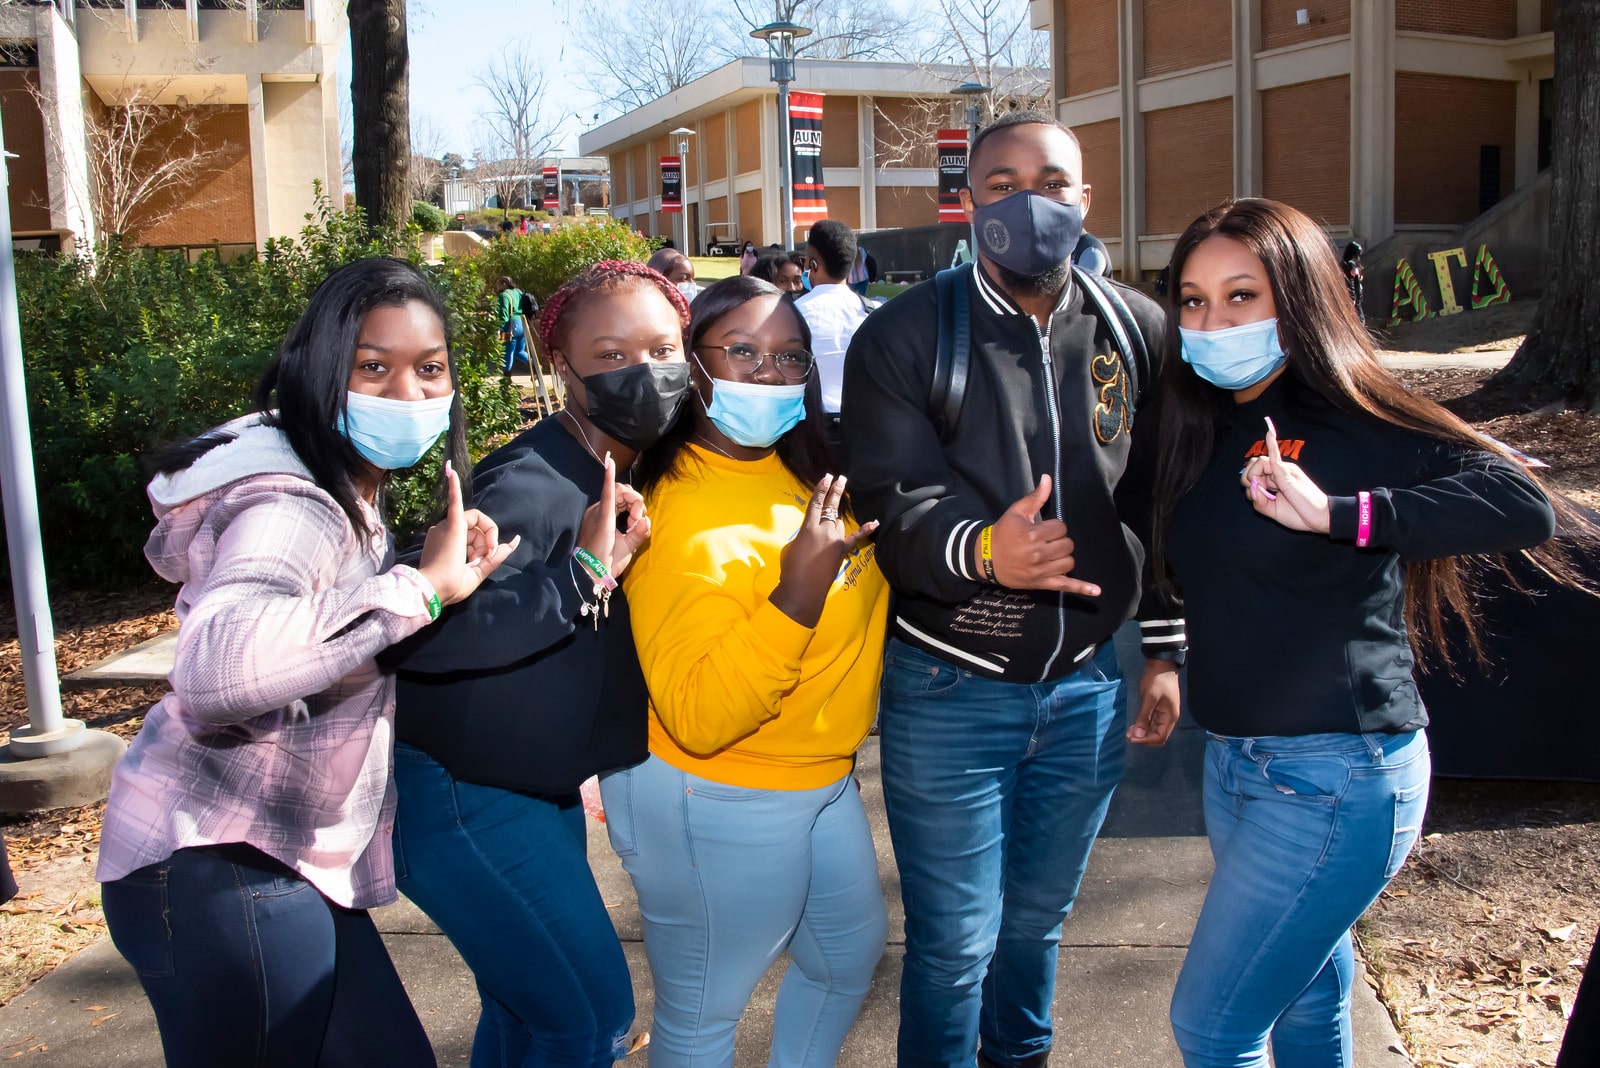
x: 1125, y: 332
x: 953, y: 356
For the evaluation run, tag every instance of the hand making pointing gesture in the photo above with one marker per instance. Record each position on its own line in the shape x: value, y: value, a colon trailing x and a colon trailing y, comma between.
x: 1283, y: 491
x: 463, y: 548
x: 597, y: 531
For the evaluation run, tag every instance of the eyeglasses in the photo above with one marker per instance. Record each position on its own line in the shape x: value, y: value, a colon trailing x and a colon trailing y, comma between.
x: 744, y: 359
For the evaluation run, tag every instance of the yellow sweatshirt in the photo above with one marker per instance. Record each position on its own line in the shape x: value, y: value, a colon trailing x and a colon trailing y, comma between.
x: 739, y: 692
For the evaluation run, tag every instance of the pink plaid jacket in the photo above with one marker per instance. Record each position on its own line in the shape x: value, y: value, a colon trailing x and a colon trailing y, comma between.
x: 279, y: 730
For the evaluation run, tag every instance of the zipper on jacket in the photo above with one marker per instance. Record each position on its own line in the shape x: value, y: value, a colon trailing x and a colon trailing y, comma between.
x: 1055, y: 486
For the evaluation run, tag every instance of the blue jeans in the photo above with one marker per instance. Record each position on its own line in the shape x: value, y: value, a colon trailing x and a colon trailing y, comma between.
x: 245, y: 963
x: 516, y: 346
x: 995, y: 792
x: 506, y: 877
x: 729, y: 877
x: 1306, y: 832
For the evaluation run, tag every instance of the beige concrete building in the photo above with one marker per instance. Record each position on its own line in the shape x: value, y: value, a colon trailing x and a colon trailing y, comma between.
x: 1380, y: 118
x: 257, y: 78
x: 878, y: 152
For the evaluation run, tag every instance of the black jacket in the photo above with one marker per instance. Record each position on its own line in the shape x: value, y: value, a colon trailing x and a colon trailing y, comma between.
x: 1072, y: 414
x: 1299, y: 633
x: 512, y: 687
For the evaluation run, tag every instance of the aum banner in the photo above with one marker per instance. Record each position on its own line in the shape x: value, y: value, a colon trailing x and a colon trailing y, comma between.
x: 805, y: 158
x: 552, y: 189
x: 952, y: 174
x: 671, y: 184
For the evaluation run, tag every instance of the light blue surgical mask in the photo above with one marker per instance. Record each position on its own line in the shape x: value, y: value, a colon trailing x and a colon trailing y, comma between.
x: 1235, y: 358
x: 754, y: 415
x: 393, y: 434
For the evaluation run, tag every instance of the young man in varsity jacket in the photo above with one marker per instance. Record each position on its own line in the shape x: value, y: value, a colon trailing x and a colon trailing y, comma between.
x: 1008, y: 536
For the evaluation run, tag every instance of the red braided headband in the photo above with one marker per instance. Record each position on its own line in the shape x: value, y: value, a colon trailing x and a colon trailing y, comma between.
x: 601, y: 276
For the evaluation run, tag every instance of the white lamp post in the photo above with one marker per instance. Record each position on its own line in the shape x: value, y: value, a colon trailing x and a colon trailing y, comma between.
x: 971, y: 91
x: 683, y: 133
x: 780, y: 38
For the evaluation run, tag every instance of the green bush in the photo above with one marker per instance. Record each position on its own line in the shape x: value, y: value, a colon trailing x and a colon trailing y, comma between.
x: 427, y: 218
x: 540, y: 262
x: 127, y: 349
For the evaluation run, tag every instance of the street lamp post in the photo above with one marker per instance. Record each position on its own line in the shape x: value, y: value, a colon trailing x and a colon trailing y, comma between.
x: 971, y: 91
x: 683, y: 133
x: 780, y: 38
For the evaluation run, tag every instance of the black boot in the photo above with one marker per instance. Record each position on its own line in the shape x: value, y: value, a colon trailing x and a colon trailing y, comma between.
x: 1038, y: 1060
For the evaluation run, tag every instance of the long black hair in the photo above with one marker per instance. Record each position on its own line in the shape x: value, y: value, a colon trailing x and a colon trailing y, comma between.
x: 804, y: 450
x: 1328, y: 350
x: 303, y: 392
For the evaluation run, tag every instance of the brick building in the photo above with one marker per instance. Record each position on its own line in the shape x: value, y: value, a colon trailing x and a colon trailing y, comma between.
x: 878, y: 152
x: 1376, y: 117
x: 249, y: 85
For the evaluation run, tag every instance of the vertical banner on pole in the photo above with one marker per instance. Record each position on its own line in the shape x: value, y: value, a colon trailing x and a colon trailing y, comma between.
x: 805, y: 158
x: 671, y: 184
x: 552, y: 189
x: 952, y: 174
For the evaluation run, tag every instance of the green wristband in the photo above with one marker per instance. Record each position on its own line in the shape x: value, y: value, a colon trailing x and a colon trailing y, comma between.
x: 596, y: 568
x: 434, y: 607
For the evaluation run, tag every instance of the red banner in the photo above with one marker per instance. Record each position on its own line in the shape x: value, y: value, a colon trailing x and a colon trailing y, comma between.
x: 805, y: 158
x: 952, y: 174
x: 671, y: 184
x: 552, y: 189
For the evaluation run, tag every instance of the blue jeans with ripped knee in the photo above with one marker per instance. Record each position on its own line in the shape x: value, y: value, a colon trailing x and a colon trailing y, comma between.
x: 1306, y: 832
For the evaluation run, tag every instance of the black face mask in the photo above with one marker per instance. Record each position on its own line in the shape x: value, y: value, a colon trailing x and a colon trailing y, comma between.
x: 636, y: 405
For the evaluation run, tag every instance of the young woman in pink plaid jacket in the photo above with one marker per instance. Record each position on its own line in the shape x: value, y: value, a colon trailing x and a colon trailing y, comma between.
x: 247, y: 830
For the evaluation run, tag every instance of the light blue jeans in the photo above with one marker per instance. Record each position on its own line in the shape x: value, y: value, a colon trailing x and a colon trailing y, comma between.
x: 730, y: 877
x: 1306, y: 832
x: 995, y: 792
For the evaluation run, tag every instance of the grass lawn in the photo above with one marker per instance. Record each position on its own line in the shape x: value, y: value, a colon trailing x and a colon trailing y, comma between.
x: 708, y: 269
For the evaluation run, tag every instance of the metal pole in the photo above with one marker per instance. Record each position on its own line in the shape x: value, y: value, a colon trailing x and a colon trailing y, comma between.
x: 785, y: 178
x: 683, y: 189
x: 47, y: 731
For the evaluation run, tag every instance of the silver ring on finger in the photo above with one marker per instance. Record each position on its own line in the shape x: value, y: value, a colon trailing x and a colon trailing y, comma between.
x: 829, y: 515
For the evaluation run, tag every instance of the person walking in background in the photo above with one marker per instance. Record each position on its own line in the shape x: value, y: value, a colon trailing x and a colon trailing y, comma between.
x: 531, y: 686
x: 832, y: 310
x: 782, y: 270
x: 247, y: 831
x: 677, y: 269
x: 759, y: 616
x: 1313, y: 576
x: 1004, y: 537
x: 747, y: 257
x: 511, y: 323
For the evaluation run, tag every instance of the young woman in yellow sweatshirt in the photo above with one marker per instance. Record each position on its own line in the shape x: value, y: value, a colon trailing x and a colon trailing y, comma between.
x: 759, y: 616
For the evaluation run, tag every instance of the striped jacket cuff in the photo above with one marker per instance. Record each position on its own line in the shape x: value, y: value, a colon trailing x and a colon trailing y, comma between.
x: 1163, y: 639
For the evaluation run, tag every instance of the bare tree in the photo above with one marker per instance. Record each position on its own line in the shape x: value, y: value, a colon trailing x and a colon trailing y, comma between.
x: 144, y: 156
x: 517, y: 137
x: 427, y: 152
x: 1558, y: 364
x: 504, y: 177
x: 381, y: 101
x: 840, y: 29
x: 996, y: 45
x: 645, y: 49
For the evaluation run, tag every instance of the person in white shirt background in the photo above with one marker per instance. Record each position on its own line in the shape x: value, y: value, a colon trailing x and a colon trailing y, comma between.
x: 832, y: 309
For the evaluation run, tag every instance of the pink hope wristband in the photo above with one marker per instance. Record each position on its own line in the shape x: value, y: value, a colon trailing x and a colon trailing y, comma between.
x: 1363, y: 519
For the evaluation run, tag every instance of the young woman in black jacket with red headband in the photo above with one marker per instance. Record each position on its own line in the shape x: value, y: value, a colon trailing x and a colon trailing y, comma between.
x: 1316, y: 516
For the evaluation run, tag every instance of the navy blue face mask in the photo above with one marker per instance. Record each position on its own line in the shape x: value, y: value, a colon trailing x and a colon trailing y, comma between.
x: 1027, y: 232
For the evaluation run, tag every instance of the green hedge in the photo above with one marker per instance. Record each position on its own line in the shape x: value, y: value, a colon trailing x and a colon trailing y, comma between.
x: 427, y: 218
x: 540, y: 262
x: 127, y: 349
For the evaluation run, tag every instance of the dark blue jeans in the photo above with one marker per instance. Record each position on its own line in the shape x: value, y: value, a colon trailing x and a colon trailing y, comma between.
x: 995, y: 792
x: 247, y: 964
x: 506, y: 877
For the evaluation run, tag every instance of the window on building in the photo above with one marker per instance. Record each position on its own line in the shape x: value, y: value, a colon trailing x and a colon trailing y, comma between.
x: 19, y: 54
x: 282, y: 5
x: 1547, y: 119
x: 1488, y: 176
x: 178, y: 5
